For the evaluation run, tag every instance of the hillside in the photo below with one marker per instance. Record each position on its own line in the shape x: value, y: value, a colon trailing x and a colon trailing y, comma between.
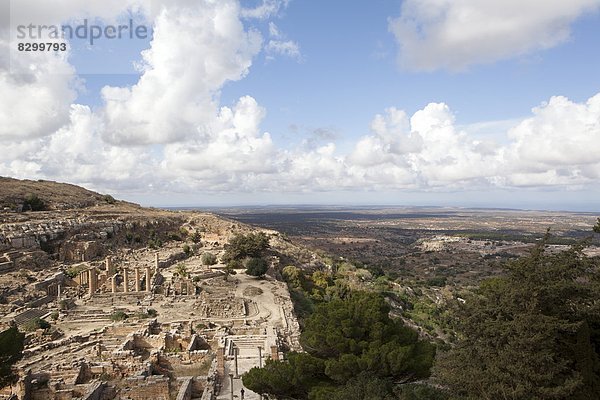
x: 54, y: 195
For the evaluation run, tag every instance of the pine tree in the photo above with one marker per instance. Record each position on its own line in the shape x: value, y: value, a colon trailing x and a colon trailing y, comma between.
x: 531, y: 334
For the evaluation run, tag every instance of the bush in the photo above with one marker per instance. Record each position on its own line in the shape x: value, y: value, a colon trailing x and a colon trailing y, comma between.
x: 196, y: 237
x: 72, y: 272
x: 438, y: 281
x: 208, y: 259
x: 64, y: 304
x: 33, y: 203
x: 109, y: 199
x: 175, y: 237
x: 119, y: 316
x: 187, y: 250
x: 35, y: 324
x: 256, y: 267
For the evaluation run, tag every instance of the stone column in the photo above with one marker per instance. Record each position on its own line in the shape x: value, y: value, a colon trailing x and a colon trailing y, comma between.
x: 156, y: 261
x: 125, y: 281
x: 237, y: 375
x: 231, y: 383
x: 58, y: 289
x: 274, y: 353
x: 148, y: 279
x: 92, y: 281
x: 259, y: 357
x: 221, y: 361
x: 113, y: 283
x: 110, y: 267
x: 137, y: 279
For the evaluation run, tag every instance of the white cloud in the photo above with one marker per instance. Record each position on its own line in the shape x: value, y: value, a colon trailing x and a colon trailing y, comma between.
x: 453, y: 34
x: 76, y: 153
x: 278, y: 45
x: 232, y: 150
x: 267, y: 9
x: 286, y: 48
x: 195, y: 50
x: 35, y: 104
x: 558, y: 145
x: 274, y: 30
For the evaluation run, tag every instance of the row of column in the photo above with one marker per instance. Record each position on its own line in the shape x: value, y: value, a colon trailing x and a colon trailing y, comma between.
x: 90, y: 277
x: 137, y: 281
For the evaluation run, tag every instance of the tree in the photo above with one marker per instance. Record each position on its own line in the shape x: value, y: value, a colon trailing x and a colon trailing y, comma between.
x: 256, y: 267
x: 181, y: 270
x: 11, y: 351
x: 230, y: 268
x: 357, y: 334
x: 293, y: 378
x: 243, y: 246
x: 353, y: 348
x: 531, y: 334
x: 597, y: 226
x: 33, y: 203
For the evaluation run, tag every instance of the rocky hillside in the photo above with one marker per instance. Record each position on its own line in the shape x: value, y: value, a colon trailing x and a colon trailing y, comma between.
x: 17, y: 195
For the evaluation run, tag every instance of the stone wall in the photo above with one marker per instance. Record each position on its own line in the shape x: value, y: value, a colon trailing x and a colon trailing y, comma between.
x: 144, y: 388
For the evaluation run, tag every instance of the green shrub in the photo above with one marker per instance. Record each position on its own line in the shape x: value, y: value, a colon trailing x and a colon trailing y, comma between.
x: 208, y: 258
x: 33, y: 203
x: 174, y: 236
x: 256, y: 266
x: 109, y: 199
x: 119, y: 316
x: 72, y: 272
x: 35, y: 324
x: 438, y: 281
x: 195, y: 237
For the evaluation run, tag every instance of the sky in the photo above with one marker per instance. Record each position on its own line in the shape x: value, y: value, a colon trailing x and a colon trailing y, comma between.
x: 255, y: 102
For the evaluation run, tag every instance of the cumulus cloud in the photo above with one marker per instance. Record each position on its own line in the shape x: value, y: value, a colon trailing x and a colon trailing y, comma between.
x: 195, y: 50
x: 232, y: 150
x: 559, y: 144
x: 426, y: 150
x: 453, y: 34
x: 37, y: 103
x: 37, y: 87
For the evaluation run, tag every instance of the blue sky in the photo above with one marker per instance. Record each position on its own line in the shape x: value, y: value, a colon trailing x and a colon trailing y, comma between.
x: 386, y: 102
